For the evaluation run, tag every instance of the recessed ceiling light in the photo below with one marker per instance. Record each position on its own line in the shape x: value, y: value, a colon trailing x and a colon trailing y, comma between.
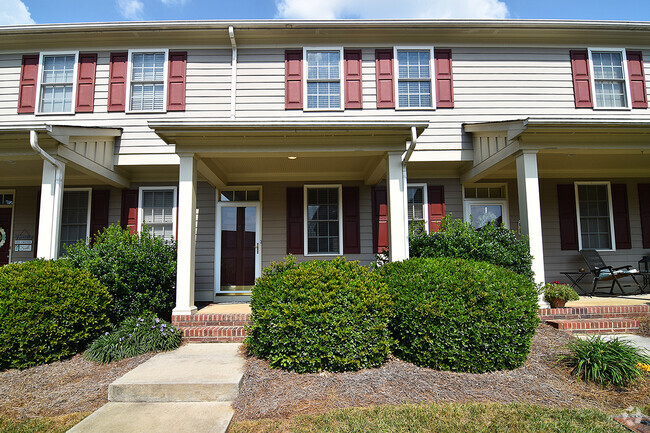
x: 292, y: 157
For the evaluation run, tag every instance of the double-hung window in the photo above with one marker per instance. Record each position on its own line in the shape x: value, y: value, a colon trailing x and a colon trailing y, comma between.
x: 323, y: 71
x: 413, y: 72
x: 57, y: 82
x: 609, y: 72
x: 595, y: 218
x: 75, y: 217
x: 323, y: 220
x: 485, y: 204
x: 147, y: 80
x: 158, y: 211
x: 417, y: 202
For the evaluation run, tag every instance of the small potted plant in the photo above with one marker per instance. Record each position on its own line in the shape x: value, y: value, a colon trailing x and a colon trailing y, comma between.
x: 557, y: 294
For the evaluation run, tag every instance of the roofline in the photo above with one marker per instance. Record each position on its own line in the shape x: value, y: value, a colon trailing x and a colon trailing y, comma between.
x: 551, y: 122
x: 285, y: 124
x: 309, y: 24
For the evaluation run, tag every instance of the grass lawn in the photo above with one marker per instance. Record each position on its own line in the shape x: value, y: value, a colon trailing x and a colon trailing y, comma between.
x: 58, y: 424
x: 441, y: 418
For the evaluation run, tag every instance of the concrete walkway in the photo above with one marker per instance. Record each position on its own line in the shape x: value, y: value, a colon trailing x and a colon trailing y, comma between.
x: 637, y: 340
x: 190, y: 389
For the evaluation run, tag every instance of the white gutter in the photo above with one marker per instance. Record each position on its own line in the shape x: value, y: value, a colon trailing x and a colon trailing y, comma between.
x: 233, y: 81
x: 33, y: 142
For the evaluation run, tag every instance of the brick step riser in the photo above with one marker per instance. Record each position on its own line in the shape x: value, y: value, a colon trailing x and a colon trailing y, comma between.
x: 596, y: 326
x: 214, y: 334
x: 211, y: 320
x: 586, y: 313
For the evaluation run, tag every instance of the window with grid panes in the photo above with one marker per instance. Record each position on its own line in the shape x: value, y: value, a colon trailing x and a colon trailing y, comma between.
x: 158, y: 212
x: 74, y: 218
x: 57, y: 83
x: 323, y: 229
x: 414, y: 78
x: 323, y: 79
x: 609, y: 79
x: 416, y: 207
x: 147, y: 82
x: 595, y: 223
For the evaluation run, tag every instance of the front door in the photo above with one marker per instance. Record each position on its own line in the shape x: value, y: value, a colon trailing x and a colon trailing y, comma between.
x: 5, y: 235
x: 239, y: 235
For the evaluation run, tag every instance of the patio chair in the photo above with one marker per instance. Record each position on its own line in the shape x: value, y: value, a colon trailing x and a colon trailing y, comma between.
x: 603, y: 272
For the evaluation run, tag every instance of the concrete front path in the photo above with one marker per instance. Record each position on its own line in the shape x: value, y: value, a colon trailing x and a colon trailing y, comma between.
x: 190, y: 389
x: 637, y: 340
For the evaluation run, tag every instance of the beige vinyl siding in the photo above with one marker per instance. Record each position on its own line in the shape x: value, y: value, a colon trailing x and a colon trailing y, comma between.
x: 205, y: 242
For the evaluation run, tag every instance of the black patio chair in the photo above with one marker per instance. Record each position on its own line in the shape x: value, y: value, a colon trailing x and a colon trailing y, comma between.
x: 603, y: 272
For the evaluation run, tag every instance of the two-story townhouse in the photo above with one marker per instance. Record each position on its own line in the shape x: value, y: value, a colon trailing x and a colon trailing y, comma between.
x: 251, y: 140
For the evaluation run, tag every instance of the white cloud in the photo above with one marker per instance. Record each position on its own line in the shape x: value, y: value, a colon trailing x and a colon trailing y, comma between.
x: 131, y: 9
x: 173, y: 2
x: 14, y: 12
x: 372, y: 9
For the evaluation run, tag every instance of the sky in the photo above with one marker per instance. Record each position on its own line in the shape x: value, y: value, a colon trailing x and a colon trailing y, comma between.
x: 67, y: 11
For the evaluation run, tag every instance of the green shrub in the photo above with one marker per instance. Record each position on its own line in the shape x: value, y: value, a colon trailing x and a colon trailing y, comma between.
x: 493, y: 244
x: 138, y: 269
x: 48, y: 311
x: 134, y: 336
x: 320, y: 315
x: 461, y: 315
x: 606, y: 362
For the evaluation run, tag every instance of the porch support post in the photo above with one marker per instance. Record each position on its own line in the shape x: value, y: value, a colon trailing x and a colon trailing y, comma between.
x: 397, y: 222
x: 530, y: 212
x: 186, y: 236
x: 49, y: 221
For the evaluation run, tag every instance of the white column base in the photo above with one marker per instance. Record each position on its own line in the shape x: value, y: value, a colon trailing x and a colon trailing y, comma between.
x: 184, y: 311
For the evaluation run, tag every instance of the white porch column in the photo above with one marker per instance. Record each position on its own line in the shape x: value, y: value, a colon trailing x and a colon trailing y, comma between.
x: 397, y: 221
x: 49, y: 221
x: 186, y: 236
x: 530, y: 213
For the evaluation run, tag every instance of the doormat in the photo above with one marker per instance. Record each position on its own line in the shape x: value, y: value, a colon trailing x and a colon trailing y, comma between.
x: 636, y: 423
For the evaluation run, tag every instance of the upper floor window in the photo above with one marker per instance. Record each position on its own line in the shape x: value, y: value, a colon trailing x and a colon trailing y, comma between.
x: 57, y: 82
x: 414, y: 84
x: 323, y: 72
x: 610, y: 85
x: 595, y: 218
x: 147, y: 80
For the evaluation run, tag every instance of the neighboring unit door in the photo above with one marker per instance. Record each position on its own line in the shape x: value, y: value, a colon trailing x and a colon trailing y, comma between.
x: 239, y: 247
x: 5, y: 235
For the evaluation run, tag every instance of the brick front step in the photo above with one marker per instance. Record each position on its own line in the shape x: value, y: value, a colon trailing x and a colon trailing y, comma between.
x: 601, y: 312
x: 596, y: 326
x: 213, y: 328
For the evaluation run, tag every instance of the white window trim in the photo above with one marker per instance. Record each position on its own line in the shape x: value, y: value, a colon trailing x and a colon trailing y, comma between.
x: 174, y: 209
x: 425, y: 204
x: 626, y: 77
x: 468, y: 202
x: 239, y: 188
x: 306, y: 79
x: 90, y: 198
x: 432, y: 74
x: 129, y: 73
x: 611, y: 213
x: 12, y: 206
x: 39, y: 81
x: 306, y: 221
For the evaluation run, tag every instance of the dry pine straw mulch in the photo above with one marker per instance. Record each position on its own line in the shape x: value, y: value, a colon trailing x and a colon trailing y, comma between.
x: 271, y: 393
x: 63, y: 387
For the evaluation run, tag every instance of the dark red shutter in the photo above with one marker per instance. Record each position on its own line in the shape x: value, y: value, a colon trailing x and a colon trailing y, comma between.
x: 621, y: 217
x: 295, y: 221
x: 444, y: 79
x: 129, y: 217
x: 644, y: 210
x: 27, y: 88
x: 86, y: 83
x: 581, y: 82
x: 566, y: 204
x: 385, y: 84
x: 117, y: 82
x: 293, y: 79
x: 351, y: 220
x: 637, y: 79
x: 176, y: 84
x: 436, y: 199
x: 353, y: 81
x: 379, y: 219
x: 99, y: 212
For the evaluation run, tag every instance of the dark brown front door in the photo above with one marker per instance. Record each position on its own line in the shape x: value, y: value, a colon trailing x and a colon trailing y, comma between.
x: 5, y: 235
x: 238, y: 230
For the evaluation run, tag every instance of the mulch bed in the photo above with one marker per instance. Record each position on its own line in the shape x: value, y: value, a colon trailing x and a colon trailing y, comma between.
x: 73, y: 385
x: 271, y: 393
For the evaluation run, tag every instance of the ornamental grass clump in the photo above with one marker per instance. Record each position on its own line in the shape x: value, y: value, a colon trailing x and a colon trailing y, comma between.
x: 320, y: 315
x: 613, y: 362
x: 134, y: 336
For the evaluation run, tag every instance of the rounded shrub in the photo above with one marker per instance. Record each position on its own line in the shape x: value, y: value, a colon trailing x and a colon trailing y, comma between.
x: 138, y: 269
x: 49, y: 310
x: 461, y: 315
x: 320, y: 315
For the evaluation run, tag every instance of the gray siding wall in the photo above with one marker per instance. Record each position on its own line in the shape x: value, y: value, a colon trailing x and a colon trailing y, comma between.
x: 25, y: 206
x: 205, y: 241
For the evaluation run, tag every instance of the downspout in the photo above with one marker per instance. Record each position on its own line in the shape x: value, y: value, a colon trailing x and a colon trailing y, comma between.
x: 233, y: 80
x: 405, y: 160
x: 59, y: 170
